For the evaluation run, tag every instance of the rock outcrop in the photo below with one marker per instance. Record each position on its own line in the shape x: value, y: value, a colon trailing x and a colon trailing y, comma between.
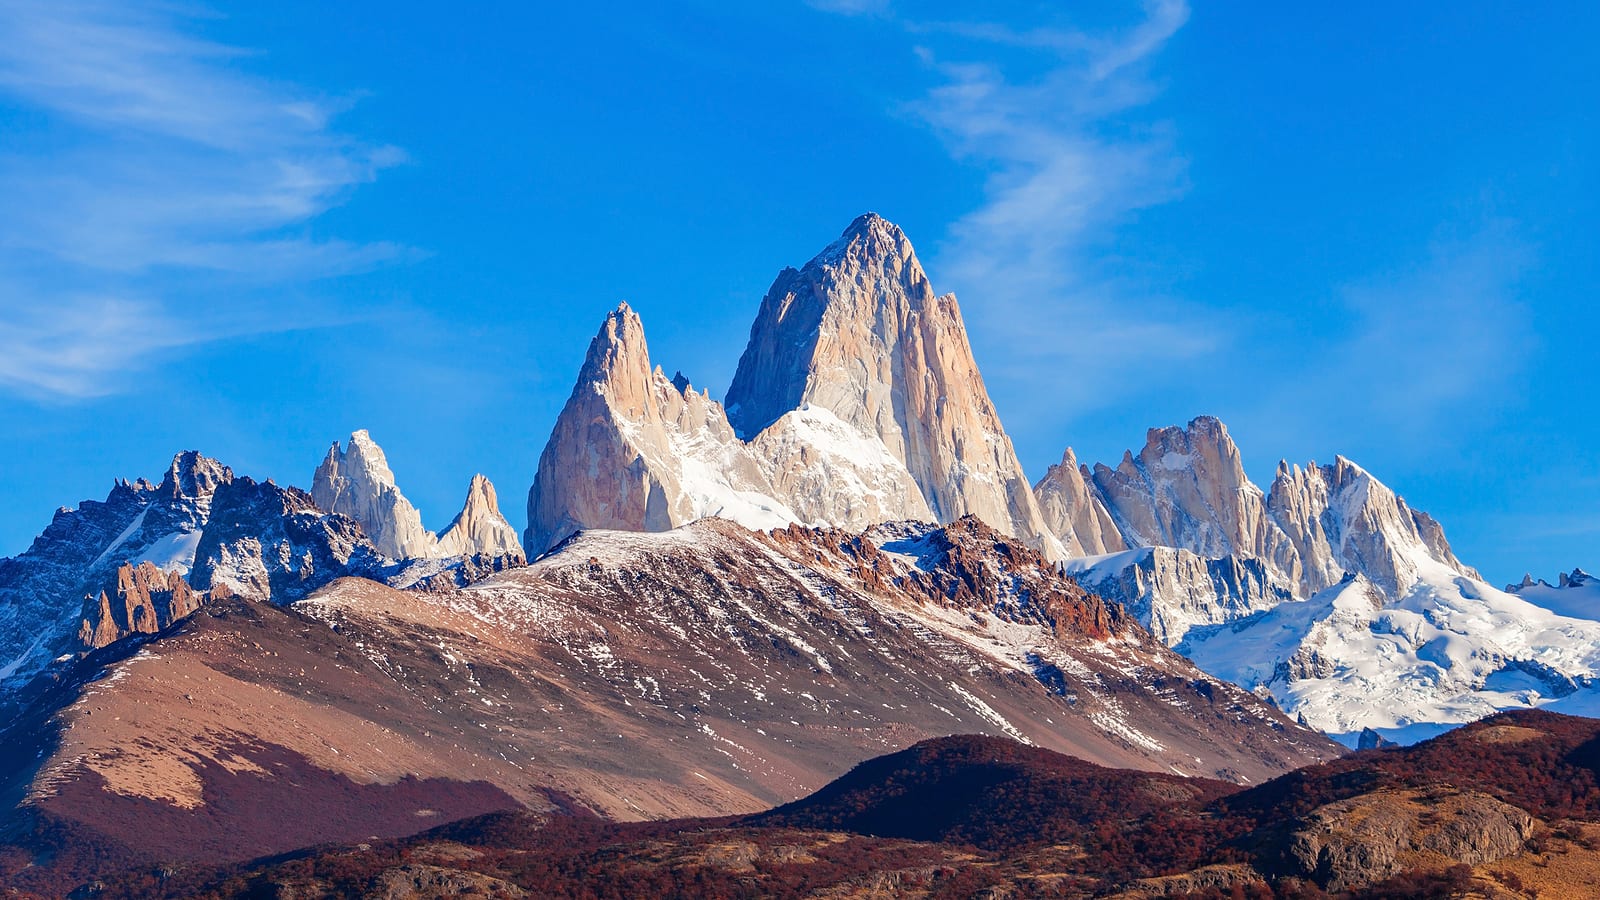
x: 265, y: 542
x: 480, y: 528
x: 143, y: 600
x: 1074, y: 511
x: 1353, y: 844
x: 859, y: 332
x: 356, y: 481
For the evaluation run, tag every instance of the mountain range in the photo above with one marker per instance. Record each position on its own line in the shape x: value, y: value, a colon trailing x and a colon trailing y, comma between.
x: 717, y: 607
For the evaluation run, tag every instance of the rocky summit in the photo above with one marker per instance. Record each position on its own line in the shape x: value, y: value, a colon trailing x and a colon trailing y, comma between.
x: 856, y: 402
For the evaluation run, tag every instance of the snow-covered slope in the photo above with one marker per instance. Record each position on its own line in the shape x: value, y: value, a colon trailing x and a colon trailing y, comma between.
x: 1171, y: 590
x: 1575, y: 594
x: 831, y: 473
x: 1448, y: 650
x: 1329, y: 592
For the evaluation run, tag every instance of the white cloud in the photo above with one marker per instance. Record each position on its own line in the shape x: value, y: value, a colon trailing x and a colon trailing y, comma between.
x: 1070, y: 154
x: 163, y: 161
x: 77, y: 345
x: 850, y: 7
x: 1414, y: 351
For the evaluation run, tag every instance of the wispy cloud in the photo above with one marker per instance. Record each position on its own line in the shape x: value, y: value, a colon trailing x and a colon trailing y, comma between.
x: 157, y: 159
x: 1414, y: 356
x: 850, y: 7
x: 1056, y: 117
x: 78, y: 345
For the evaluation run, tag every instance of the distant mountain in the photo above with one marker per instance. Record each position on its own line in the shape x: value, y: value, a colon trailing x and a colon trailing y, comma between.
x: 151, y: 554
x: 730, y: 605
x: 857, y: 401
x: 1505, y: 808
x: 1574, y: 594
x: 356, y: 481
x: 1327, y: 593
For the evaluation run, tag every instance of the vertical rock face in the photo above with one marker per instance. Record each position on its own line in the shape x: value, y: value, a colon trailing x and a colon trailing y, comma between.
x: 859, y: 332
x: 142, y: 599
x: 1341, y: 519
x: 266, y: 542
x: 356, y: 482
x: 480, y: 528
x: 1074, y: 512
x: 634, y: 451
x: 1187, y: 488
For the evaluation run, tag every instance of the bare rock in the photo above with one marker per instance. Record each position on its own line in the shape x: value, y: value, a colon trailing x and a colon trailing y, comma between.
x: 1074, y: 511
x: 356, y: 481
x: 1351, y: 844
x: 480, y: 528
x: 142, y: 600
x: 859, y: 332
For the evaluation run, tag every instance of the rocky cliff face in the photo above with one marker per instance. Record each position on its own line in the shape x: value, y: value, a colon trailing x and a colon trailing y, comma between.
x: 1074, y: 511
x: 1172, y: 590
x: 265, y: 542
x: 356, y: 481
x: 480, y: 528
x: 1187, y: 489
x: 42, y: 590
x: 142, y: 600
x: 859, y: 332
x: 634, y: 451
x: 1342, y: 520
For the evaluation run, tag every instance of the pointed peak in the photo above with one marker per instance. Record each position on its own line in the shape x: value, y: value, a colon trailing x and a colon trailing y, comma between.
x: 872, y: 237
x: 621, y: 325
x: 482, y: 488
x: 192, y: 474
x: 620, y: 343
x: 1345, y: 464
x: 869, y: 222
x: 681, y: 382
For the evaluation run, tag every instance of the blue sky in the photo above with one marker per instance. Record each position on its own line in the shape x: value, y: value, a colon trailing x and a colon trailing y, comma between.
x: 249, y: 229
